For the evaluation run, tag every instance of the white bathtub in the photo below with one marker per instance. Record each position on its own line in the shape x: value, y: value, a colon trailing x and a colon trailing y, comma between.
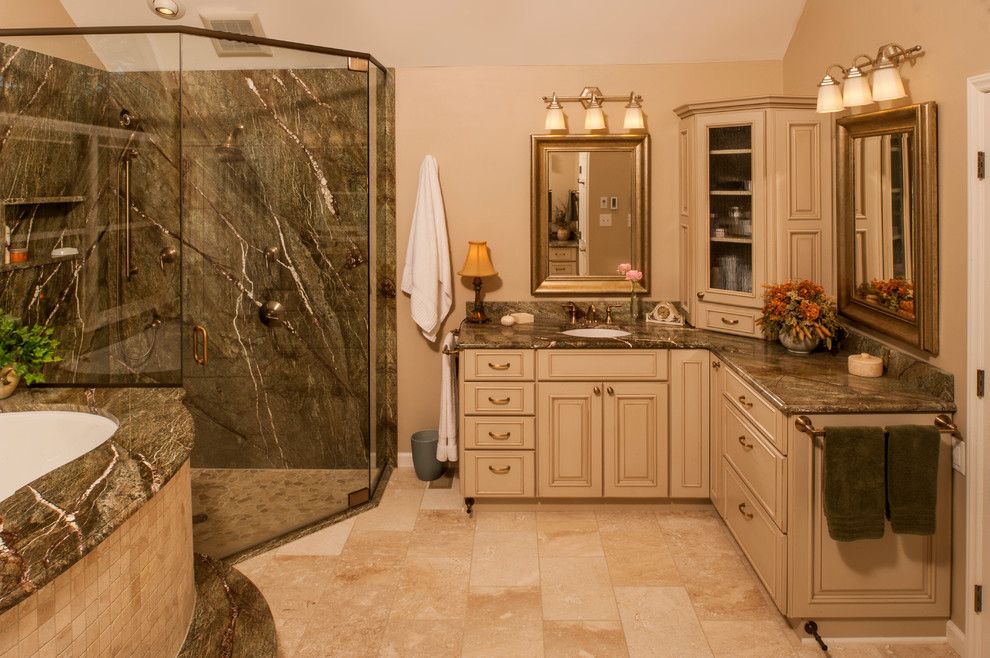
x: 33, y: 443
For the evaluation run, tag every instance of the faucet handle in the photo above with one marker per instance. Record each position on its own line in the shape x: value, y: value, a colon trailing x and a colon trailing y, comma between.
x: 608, y: 312
x: 571, y: 308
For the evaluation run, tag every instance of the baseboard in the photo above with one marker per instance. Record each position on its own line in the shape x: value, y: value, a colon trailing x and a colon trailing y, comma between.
x: 956, y: 638
x: 877, y: 640
x: 405, y: 460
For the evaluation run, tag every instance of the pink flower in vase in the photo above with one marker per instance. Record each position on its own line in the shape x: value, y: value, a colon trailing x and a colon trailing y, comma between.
x: 633, y: 275
x: 624, y: 268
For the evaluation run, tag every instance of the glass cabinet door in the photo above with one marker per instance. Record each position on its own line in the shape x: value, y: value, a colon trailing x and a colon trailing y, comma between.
x: 730, y: 209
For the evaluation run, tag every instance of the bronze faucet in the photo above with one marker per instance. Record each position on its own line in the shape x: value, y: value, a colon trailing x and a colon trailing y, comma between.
x: 608, y: 312
x: 575, y: 312
x: 592, y: 314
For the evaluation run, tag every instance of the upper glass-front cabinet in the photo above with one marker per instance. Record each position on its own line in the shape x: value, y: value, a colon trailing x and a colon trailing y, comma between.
x: 730, y: 206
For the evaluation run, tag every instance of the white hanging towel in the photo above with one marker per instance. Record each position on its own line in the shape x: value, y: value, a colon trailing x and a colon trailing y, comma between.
x: 426, y: 277
x: 447, y: 445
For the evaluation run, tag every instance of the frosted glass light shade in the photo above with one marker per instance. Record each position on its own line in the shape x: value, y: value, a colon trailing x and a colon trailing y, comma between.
x: 634, y: 119
x: 856, y: 89
x: 887, y: 84
x: 594, y: 118
x: 829, y: 96
x: 555, y: 119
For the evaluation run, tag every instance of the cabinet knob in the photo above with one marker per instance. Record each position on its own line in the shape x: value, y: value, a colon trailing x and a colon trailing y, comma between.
x: 746, y: 446
x: 611, y: 391
x: 742, y: 509
x: 597, y: 390
x: 744, y: 402
x: 701, y: 295
x: 716, y: 365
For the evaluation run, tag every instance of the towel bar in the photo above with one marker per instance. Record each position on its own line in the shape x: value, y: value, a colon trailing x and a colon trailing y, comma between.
x: 943, y: 422
x: 456, y: 350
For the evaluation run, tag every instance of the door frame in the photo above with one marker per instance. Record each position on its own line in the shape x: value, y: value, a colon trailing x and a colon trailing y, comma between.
x: 977, y: 633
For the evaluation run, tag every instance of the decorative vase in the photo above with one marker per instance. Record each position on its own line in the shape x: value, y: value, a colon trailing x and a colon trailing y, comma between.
x: 563, y: 234
x: 635, y: 307
x: 796, y: 345
x: 9, y: 380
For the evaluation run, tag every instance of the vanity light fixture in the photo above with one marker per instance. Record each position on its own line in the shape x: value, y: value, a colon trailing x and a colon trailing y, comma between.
x: 591, y: 99
x: 856, y: 90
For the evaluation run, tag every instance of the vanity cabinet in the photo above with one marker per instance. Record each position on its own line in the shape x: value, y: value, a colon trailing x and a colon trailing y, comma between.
x: 754, y: 208
x: 690, y: 424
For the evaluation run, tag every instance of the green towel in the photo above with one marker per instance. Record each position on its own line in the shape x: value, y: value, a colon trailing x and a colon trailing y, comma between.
x: 853, y: 482
x: 912, y: 478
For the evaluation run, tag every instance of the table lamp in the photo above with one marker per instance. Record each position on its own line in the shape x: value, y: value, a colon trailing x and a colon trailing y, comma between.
x: 477, y: 264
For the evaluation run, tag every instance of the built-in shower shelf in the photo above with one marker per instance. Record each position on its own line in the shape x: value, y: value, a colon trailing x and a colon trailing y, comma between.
x: 41, y: 200
x: 37, y: 262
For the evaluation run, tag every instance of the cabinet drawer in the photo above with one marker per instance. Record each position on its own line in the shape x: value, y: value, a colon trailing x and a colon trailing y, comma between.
x: 563, y: 269
x: 499, y: 474
x: 563, y: 253
x: 729, y: 319
x: 599, y: 365
x: 763, y: 543
x: 498, y: 433
x: 498, y: 399
x: 759, y: 465
x: 755, y: 409
x: 490, y: 365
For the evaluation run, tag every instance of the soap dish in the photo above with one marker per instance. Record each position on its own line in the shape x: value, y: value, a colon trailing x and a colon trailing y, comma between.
x: 865, y: 365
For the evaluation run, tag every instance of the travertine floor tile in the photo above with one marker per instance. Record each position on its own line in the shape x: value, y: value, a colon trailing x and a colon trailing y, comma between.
x: 448, y: 499
x: 328, y: 541
x: 377, y: 545
x: 442, y: 533
x: 397, y: 511
x: 504, y: 603
x: 639, y: 559
x: 575, y: 588
x: 740, y: 600
x: 568, y: 534
x: 601, y: 639
x: 508, y: 638
x: 422, y: 639
x: 293, y: 584
x: 353, y: 635
x: 489, y: 521
x: 622, y: 520
x: 747, y: 639
x: 505, y: 559
x: 432, y: 588
x: 405, y: 478
x: 660, y: 621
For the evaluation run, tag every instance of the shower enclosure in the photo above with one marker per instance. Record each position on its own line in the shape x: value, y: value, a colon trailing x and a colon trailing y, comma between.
x: 224, y: 224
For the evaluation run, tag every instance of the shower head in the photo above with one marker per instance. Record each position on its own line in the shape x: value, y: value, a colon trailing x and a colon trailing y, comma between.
x: 230, y: 151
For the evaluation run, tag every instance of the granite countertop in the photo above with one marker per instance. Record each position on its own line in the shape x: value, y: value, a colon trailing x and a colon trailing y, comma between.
x: 48, y: 525
x: 818, y: 383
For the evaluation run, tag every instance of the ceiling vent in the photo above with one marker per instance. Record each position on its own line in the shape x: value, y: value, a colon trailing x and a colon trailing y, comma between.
x: 248, y: 24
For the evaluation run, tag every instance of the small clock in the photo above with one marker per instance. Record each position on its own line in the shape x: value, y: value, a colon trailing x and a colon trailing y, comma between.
x: 665, y: 313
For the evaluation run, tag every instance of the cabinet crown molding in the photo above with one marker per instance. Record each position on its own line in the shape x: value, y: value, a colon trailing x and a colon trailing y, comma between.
x: 753, y: 102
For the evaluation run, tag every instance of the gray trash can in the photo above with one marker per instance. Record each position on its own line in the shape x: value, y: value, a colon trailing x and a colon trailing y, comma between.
x: 424, y: 453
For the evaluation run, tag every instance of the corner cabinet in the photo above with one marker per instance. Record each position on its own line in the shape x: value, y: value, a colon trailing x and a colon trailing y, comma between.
x: 755, y: 206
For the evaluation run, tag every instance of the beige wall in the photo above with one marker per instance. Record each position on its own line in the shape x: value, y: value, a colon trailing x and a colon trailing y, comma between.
x: 477, y: 122
x: 951, y: 33
x: 610, y: 174
x: 47, y: 13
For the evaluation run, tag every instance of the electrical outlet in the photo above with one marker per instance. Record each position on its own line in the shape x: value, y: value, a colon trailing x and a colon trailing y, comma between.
x: 959, y: 456
x: 603, y: 203
x: 605, y: 219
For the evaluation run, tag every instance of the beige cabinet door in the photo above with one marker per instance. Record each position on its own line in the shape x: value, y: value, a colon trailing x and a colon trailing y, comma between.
x: 635, y: 439
x: 716, y: 409
x: 690, y: 420
x: 569, y: 440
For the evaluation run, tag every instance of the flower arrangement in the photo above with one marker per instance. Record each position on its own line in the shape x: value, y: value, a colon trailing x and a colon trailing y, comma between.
x: 800, y: 309
x: 26, y: 349
x: 633, y: 277
x: 895, y: 294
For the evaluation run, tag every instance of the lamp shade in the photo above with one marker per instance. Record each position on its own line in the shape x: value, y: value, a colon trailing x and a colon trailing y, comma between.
x: 555, y: 119
x: 887, y: 83
x: 634, y: 119
x: 478, y: 262
x: 594, y: 118
x: 829, y: 96
x: 856, y: 89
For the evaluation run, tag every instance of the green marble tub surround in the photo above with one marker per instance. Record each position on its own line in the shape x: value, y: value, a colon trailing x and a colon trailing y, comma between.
x: 48, y: 525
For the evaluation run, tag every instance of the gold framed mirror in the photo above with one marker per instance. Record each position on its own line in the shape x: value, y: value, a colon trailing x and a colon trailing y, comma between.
x: 887, y: 223
x: 590, y: 212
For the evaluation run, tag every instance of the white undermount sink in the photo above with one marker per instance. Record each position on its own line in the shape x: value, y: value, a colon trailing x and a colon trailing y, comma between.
x: 596, y: 332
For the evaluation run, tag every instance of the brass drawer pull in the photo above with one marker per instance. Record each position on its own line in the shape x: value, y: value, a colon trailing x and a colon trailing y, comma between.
x: 498, y: 366
x: 500, y: 401
x: 742, y: 401
x: 746, y: 446
x: 500, y: 471
x: 730, y: 322
x: 742, y: 510
x: 501, y: 436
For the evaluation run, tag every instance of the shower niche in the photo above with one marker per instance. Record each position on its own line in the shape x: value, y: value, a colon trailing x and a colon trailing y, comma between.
x: 233, y: 220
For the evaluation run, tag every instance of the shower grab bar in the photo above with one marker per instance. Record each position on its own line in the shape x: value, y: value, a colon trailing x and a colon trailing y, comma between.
x: 943, y: 422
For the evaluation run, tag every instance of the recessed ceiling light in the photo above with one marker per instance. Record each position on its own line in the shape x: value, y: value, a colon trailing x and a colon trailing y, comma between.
x: 166, y: 8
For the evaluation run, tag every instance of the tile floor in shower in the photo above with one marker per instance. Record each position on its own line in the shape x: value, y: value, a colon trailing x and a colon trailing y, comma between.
x: 418, y: 577
x: 234, y: 509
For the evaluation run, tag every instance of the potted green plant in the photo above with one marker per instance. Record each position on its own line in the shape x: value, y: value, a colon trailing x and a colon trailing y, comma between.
x: 24, y: 351
x: 800, y: 315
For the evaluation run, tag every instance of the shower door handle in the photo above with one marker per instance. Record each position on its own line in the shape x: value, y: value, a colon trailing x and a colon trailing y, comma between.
x: 199, y: 331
